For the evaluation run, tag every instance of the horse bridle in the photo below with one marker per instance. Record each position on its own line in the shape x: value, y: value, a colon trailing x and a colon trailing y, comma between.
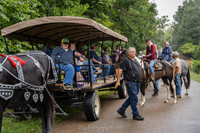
x: 30, y: 86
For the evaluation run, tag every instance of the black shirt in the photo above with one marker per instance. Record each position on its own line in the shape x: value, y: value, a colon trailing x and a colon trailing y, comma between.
x: 131, y: 69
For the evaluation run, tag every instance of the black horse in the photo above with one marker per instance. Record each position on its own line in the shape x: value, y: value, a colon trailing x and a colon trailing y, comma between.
x: 39, y: 76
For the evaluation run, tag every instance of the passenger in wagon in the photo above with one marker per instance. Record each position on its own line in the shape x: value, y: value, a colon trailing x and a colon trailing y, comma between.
x: 66, y: 61
x: 108, y: 60
x: 79, y: 47
x: 81, y: 61
x: 96, y: 59
x: 117, y: 52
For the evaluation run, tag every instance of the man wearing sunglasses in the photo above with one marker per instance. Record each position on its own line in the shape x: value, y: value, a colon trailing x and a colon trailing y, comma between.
x: 66, y: 61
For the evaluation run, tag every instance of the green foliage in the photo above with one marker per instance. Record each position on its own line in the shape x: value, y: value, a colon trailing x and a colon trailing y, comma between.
x: 135, y: 19
x: 187, y: 25
x: 197, y: 53
x: 188, y: 48
x: 15, y: 11
x: 196, y: 66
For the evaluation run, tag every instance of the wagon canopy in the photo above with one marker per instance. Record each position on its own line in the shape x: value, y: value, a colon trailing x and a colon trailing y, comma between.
x: 55, y: 28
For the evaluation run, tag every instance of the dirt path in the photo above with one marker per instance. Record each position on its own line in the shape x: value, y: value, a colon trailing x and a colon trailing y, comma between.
x: 183, y: 117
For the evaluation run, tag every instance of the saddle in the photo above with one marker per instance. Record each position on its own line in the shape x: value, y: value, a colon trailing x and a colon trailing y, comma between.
x: 157, y: 67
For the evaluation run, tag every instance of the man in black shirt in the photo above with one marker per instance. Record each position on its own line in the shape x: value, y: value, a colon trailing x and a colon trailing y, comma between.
x: 133, y: 78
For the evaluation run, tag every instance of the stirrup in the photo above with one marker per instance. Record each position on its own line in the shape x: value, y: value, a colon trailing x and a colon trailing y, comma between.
x: 152, y: 78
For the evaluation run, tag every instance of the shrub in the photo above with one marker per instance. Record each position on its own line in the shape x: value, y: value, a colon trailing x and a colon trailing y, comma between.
x: 197, y: 53
x: 196, y: 65
x: 187, y: 48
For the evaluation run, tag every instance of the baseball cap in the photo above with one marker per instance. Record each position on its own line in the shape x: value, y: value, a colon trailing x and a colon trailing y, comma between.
x: 176, y: 53
x: 65, y: 40
x: 148, y: 39
x: 140, y: 52
x: 92, y: 45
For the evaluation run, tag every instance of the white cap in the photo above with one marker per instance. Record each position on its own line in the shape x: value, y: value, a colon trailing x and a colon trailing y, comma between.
x: 140, y: 52
x: 176, y: 54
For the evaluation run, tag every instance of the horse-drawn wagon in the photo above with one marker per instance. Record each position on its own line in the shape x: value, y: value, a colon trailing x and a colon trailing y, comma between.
x: 41, y: 30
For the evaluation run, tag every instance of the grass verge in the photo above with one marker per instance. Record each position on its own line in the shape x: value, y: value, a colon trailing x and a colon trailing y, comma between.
x: 193, y: 75
x: 12, y: 125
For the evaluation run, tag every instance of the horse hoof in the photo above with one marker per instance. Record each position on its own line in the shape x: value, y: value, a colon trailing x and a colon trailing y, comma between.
x: 175, y: 102
x: 141, y: 104
x: 166, y: 102
x: 186, y: 94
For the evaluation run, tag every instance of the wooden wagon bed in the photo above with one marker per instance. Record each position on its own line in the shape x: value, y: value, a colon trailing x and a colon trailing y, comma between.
x: 100, y: 84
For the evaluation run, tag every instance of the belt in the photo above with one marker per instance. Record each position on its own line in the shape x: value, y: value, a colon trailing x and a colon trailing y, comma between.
x: 132, y: 81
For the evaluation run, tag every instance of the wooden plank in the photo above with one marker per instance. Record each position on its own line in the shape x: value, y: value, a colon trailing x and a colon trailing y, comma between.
x: 87, y: 85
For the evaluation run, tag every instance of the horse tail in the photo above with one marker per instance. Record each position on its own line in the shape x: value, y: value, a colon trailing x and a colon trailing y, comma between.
x: 188, y: 79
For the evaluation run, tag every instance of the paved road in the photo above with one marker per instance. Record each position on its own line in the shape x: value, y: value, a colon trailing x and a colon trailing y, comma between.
x: 183, y: 117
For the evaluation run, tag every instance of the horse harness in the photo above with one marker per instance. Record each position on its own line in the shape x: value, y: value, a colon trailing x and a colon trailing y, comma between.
x: 7, y: 90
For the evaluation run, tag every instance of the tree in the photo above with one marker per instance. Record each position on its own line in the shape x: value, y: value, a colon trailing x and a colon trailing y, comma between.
x: 187, y: 25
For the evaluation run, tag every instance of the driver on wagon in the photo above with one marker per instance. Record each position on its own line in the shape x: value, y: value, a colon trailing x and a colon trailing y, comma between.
x: 66, y: 61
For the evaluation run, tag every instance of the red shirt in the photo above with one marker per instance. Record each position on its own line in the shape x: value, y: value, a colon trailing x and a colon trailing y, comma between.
x: 152, y: 53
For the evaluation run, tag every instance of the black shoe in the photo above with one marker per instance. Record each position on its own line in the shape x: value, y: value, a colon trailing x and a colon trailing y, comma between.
x: 155, y: 94
x: 138, y: 117
x: 122, y: 113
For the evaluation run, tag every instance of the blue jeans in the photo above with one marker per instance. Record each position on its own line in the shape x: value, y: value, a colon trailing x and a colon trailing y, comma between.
x: 152, y: 63
x: 93, y: 69
x: 111, y: 69
x: 133, y: 90
x: 69, y: 69
x: 106, y: 70
x: 157, y: 83
x: 178, y: 83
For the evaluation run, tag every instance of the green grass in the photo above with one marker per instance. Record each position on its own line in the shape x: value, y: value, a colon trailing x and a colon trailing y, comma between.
x: 12, y: 125
x: 193, y: 75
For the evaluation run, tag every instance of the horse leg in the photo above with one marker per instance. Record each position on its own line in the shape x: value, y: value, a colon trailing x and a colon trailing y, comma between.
x: 49, y: 113
x: 168, y: 89
x: 1, y: 117
x: 41, y: 109
x: 174, y: 89
x: 142, y: 90
x: 186, y: 85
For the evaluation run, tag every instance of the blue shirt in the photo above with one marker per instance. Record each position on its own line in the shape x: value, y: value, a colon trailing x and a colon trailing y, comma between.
x: 167, y: 53
x: 94, y: 55
x: 66, y: 57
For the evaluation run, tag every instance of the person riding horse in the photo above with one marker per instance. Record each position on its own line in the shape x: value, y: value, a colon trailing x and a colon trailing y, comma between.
x: 166, y: 53
x: 151, y: 55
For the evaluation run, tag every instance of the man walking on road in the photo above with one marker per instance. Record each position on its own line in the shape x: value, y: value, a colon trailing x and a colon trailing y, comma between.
x: 177, y: 73
x: 133, y: 78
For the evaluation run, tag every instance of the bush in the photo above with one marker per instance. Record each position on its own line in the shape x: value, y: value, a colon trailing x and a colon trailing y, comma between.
x: 197, y: 53
x: 196, y: 65
x: 188, y: 48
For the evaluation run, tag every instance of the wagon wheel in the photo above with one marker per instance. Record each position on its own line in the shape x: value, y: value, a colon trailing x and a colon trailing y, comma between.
x: 92, y: 106
x: 122, y: 90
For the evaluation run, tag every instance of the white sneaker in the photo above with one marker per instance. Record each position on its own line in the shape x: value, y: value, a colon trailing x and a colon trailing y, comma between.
x: 98, y: 72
